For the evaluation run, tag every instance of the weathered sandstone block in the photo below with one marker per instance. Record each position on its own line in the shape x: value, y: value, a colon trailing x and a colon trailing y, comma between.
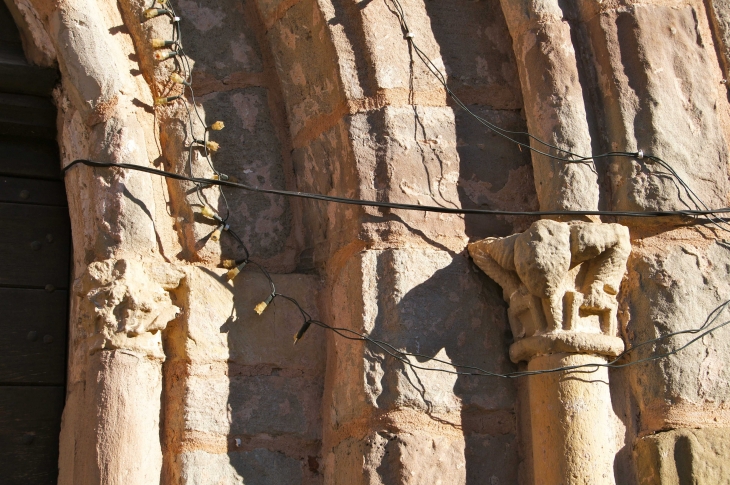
x: 256, y: 467
x: 431, y: 303
x: 657, y: 85
x: 307, y: 66
x: 241, y: 396
x: 683, y: 456
x: 678, y: 285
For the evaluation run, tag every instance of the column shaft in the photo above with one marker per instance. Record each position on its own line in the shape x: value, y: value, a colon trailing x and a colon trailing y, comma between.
x: 572, y: 425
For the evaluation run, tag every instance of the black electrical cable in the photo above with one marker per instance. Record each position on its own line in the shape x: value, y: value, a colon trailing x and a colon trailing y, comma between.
x: 409, y: 36
x: 576, y: 158
x: 701, y: 209
x: 402, y: 356
x: 393, y: 205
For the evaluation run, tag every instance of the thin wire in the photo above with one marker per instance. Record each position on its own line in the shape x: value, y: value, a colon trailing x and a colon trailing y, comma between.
x: 187, y: 70
x: 403, y: 356
x: 576, y: 158
x: 701, y: 209
x: 392, y: 205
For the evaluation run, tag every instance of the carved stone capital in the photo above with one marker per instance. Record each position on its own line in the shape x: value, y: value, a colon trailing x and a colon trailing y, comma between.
x: 561, y: 280
x: 123, y: 304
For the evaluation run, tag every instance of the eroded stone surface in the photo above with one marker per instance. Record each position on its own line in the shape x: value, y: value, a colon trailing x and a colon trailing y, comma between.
x: 236, y: 375
x: 679, y: 288
x: 256, y: 467
x: 657, y: 82
x: 431, y: 303
x: 683, y: 456
x: 333, y: 81
x: 561, y: 282
x: 556, y: 113
x: 123, y: 300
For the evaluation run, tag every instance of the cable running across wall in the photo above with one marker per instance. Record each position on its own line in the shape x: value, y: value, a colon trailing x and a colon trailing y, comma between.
x: 184, y: 77
x: 393, y: 205
x: 236, y: 266
x: 569, y: 156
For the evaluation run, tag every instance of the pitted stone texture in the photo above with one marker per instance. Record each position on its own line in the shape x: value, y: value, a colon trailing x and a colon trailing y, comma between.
x: 674, y: 286
x: 263, y: 404
x: 561, y: 282
x: 255, y: 467
x: 491, y: 459
x: 476, y: 49
x: 235, y: 374
x: 422, y: 301
x: 696, y: 456
x: 307, y: 65
x: 112, y: 212
x: 217, y: 40
x: 494, y: 173
x: 427, y: 302
x: 409, y: 155
x: 125, y: 303
x: 251, y: 152
x: 379, y: 156
x: 221, y: 324
x: 222, y: 46
x: 327, y: 165
x: 555, y: 109
x: 415, y: 155
x: 387, y: 48
x: 658, y: 80
x: 405, y: 458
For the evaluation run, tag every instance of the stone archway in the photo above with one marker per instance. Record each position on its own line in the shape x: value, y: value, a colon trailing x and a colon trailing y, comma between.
x: 188, y: 385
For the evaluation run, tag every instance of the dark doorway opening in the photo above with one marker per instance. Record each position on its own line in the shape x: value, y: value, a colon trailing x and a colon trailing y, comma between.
x: 35, y: 242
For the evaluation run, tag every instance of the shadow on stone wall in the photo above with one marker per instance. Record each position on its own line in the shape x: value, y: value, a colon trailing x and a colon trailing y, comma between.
x: 494, y: 173
x: 456, y: 314
x: 275, y: 388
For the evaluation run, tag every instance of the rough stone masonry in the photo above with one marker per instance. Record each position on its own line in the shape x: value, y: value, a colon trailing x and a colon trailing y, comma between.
x: 174, y: 379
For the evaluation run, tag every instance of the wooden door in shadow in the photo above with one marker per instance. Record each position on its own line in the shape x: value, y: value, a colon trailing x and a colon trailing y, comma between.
x: 35, y: 242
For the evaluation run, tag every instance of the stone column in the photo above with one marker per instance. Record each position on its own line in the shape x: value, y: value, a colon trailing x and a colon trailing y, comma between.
x: 554, y: 103
x: 111, y: 425
x: 561, y: 282
x: 123, y: 280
